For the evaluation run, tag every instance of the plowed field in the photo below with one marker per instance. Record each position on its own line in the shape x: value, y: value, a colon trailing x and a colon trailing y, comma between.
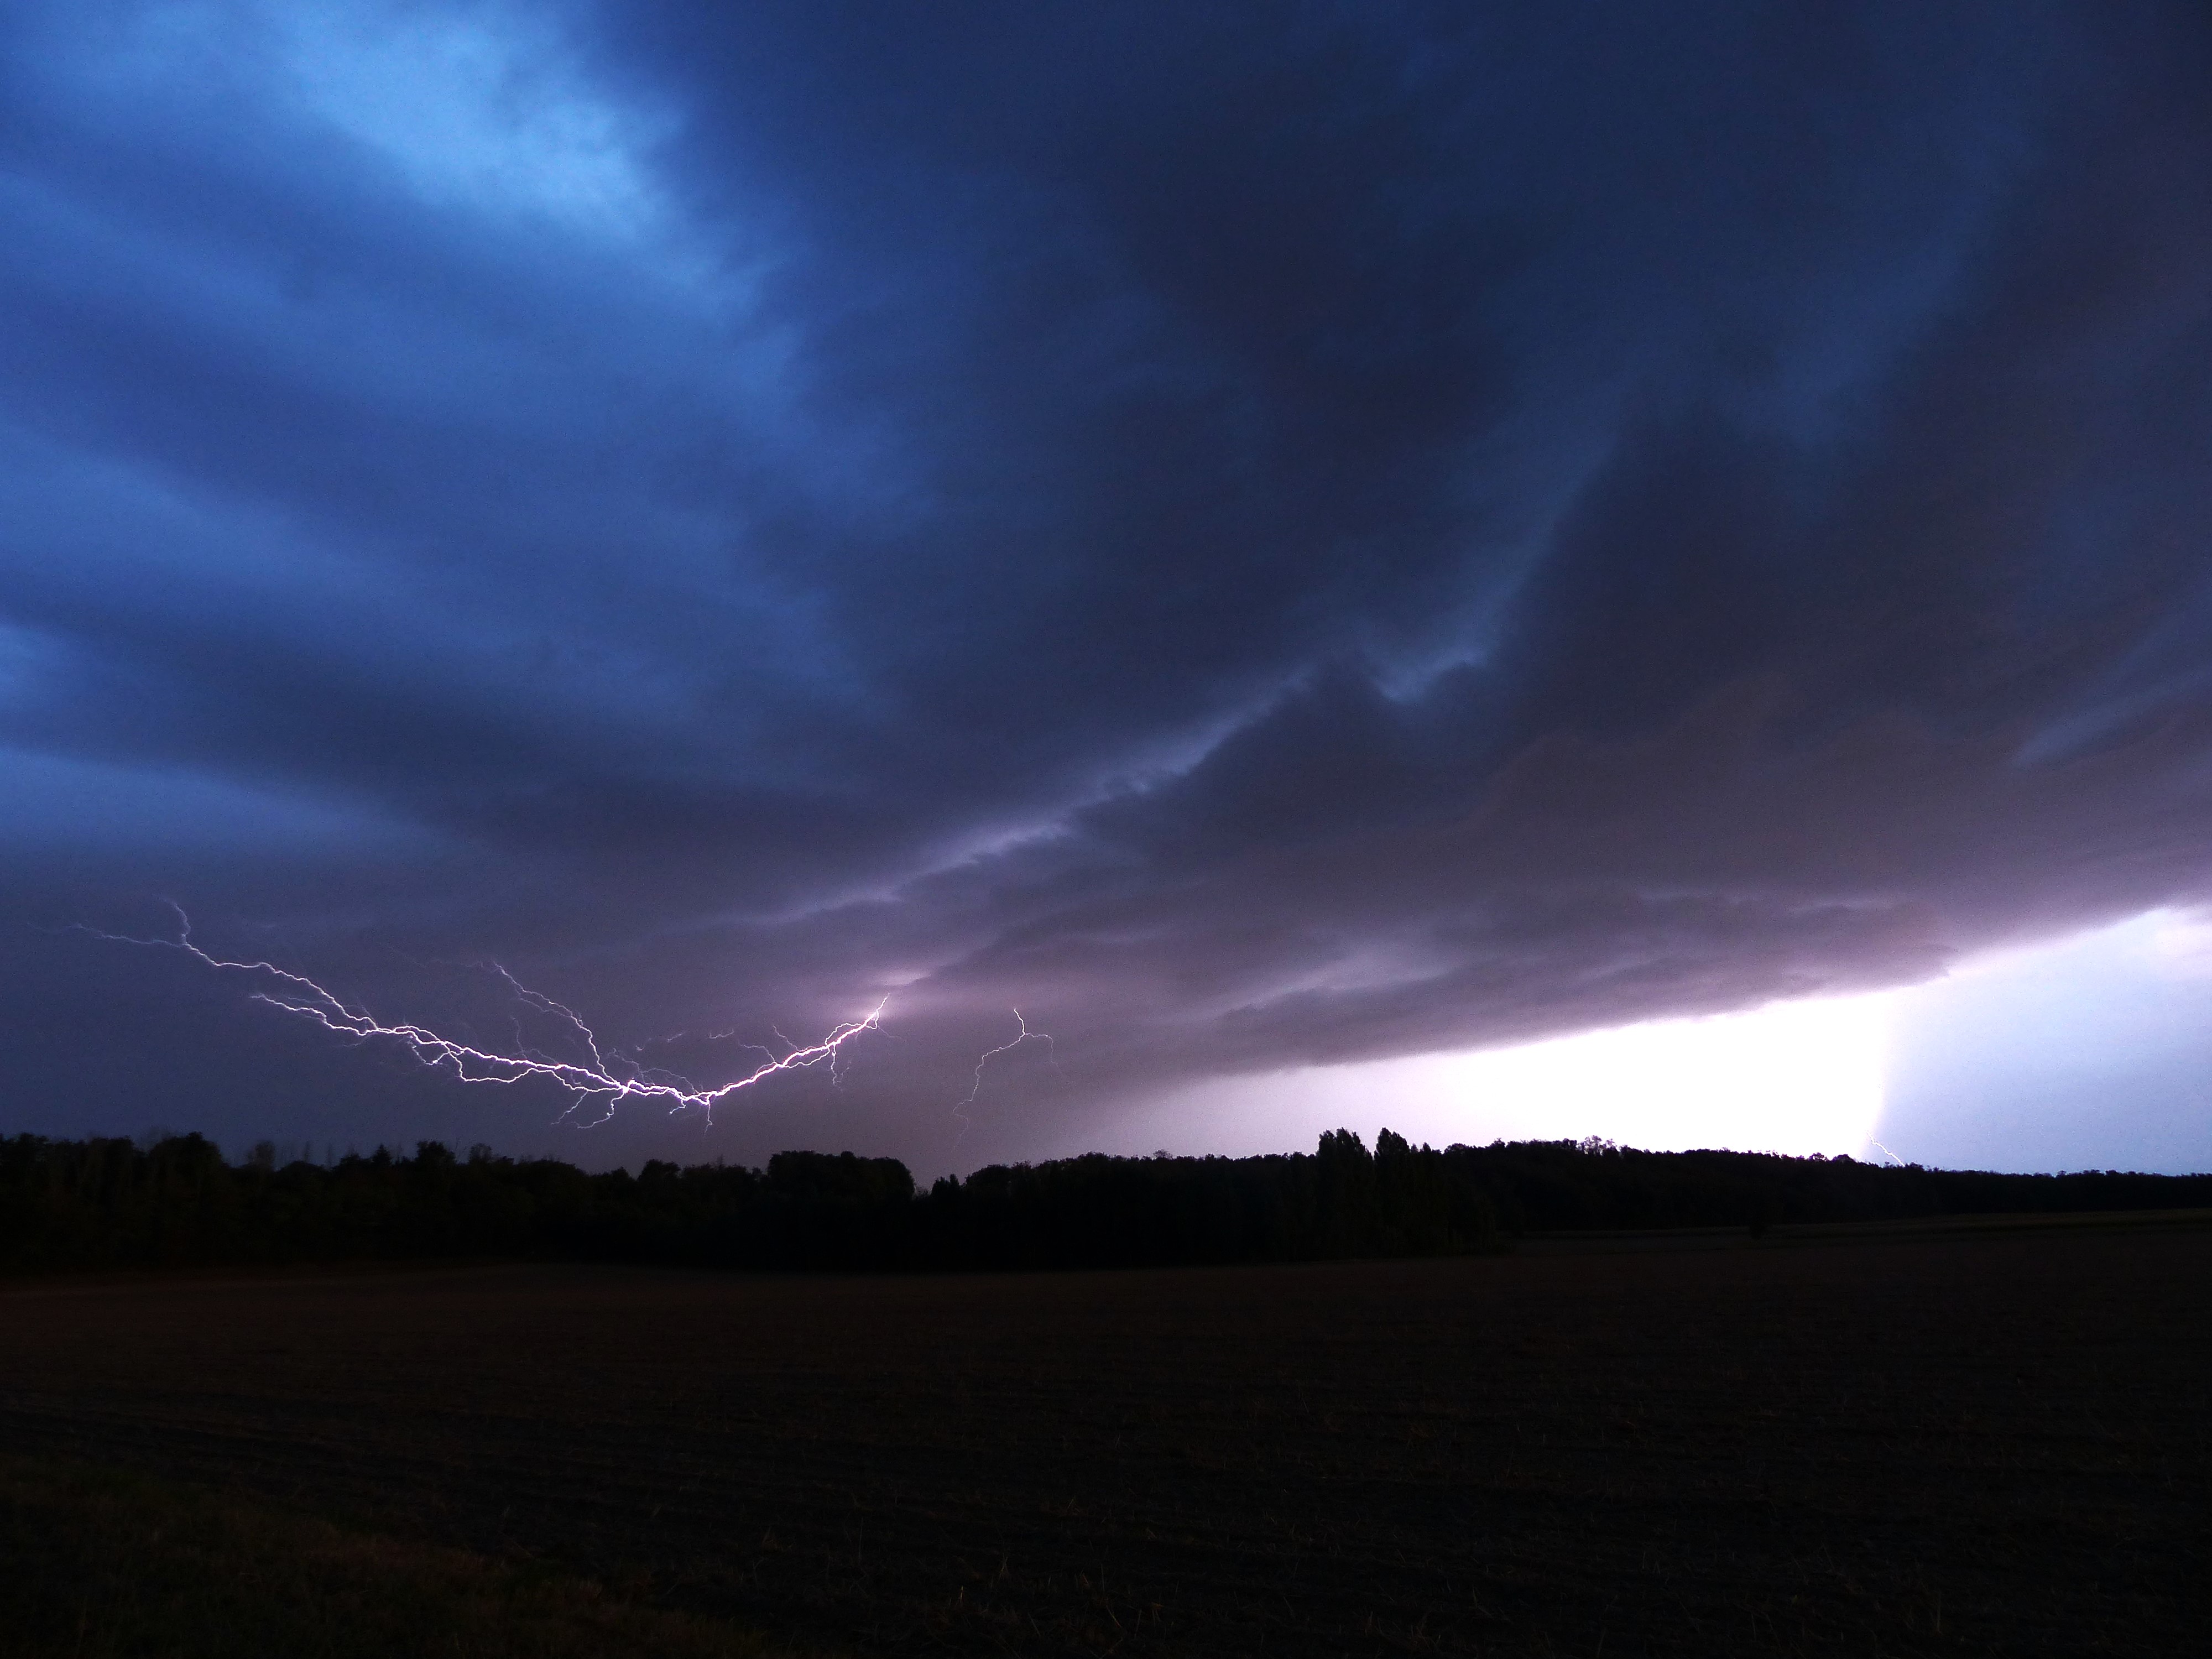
x: 1968, y: 1441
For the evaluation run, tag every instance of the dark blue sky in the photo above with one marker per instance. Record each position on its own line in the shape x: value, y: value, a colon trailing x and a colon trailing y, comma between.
x: 1263, y: 537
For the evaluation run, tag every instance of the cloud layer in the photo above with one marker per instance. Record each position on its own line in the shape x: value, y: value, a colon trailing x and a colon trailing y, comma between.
x: 1257, y: 537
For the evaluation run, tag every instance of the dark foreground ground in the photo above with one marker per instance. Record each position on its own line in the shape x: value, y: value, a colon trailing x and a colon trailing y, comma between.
x: 1966, y: 1439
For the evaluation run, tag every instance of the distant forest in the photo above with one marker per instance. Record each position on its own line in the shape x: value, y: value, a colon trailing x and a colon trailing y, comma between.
x: 176, y: 1202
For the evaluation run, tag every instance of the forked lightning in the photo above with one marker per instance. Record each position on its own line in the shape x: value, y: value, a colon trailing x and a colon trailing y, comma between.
x: 609, y: 1078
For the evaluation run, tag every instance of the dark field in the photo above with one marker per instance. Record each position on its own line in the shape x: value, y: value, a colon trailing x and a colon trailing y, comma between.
x: 1957, y: 1440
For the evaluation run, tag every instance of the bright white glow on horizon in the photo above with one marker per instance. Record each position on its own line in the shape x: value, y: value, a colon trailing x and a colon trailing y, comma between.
x: 2093, y: 1051
x: 2086, y: 1050
x: 1793, y: 1077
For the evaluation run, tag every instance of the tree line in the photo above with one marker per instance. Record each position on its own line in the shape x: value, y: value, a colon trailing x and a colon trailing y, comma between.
x: 176, y: 1202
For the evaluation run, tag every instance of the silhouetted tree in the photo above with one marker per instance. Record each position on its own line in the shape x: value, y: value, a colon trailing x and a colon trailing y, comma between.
x: 107, y: 1202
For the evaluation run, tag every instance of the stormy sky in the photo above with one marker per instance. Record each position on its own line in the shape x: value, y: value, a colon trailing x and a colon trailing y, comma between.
x: 1300, y: 547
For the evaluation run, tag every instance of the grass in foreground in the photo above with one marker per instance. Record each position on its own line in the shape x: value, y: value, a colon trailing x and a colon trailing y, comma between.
x: 99, y: 1563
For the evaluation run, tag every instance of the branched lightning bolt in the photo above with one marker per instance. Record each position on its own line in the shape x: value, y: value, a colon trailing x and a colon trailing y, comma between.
x: 1026, y: 1035
x: 609, y: 1078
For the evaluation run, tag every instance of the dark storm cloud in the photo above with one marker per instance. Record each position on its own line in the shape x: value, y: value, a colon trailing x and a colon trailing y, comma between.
x: 1258, y: 538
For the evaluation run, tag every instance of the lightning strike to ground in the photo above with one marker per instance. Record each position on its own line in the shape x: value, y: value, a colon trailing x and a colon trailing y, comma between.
x: 609, y: 1078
